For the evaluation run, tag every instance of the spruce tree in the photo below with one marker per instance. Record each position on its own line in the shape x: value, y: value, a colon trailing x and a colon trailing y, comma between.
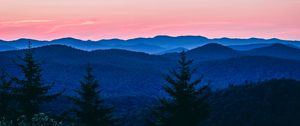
x: 30, y: 91
x: 90, y: 109
x: 186, y: 104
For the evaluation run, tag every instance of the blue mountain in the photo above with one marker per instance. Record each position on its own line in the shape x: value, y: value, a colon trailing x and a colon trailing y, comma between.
x: 153, y: 45
x: 276, y: 50
x: 211, y: 51
x: 249, y: 46
x: 128, y: 73
x: 6, y: 48
x: 175, y: 50
x: 132, y: 80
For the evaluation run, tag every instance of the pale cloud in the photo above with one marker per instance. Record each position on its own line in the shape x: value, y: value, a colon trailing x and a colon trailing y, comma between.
x: 88, y: 23
x: 25, y: 21
x: 84, y: 23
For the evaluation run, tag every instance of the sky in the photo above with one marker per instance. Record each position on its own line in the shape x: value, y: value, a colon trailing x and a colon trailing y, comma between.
x: 125, y: 19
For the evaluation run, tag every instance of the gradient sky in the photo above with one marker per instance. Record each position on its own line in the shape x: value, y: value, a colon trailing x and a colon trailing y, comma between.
x: 104, y: 19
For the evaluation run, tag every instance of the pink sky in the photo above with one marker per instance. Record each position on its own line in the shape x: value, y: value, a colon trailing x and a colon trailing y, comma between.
x: 104, y: 19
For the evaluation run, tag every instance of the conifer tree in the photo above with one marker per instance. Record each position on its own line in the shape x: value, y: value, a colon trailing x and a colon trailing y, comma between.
x: 187, y: 102
x: 30, y: 91
x: 90, y: 109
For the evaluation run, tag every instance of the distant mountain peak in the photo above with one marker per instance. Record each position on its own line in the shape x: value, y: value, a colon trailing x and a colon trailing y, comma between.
x: 175, y: 50
x: 213, y: 46
x: 162, y: 36
x: 275, y: 39
x: 67, y: 38
x: 213, y: 51
x: 59, y: 48
x: 24, y: 39
x: 278, y: 45
x: 183, y: 36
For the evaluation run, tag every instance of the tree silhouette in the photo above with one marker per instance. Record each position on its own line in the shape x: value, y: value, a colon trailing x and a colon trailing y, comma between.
x: 90, y: 109
x: 186, y: 104
x: 30, y: 91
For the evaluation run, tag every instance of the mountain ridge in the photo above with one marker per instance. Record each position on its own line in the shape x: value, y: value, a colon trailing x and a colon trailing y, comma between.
x: 161, y: 43
x: 124, y: 73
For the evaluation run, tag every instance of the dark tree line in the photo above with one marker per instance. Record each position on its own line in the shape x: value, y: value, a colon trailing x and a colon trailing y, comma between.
x: 23, y: 97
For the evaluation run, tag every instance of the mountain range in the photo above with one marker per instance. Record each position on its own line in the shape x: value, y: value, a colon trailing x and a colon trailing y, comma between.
x: 129, y: 73
x: 156, y: 45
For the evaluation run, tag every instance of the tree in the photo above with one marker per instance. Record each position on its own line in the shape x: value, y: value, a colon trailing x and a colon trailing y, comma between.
x: 90, y: 109
x: 6, y: 97
x: 30, y: 91
x: 187, y: 102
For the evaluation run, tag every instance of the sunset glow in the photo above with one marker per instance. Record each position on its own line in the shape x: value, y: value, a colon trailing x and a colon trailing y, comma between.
x: 102, y: 19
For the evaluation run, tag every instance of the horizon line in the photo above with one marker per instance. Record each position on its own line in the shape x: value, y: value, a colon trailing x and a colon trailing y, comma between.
x: 143, y: 37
